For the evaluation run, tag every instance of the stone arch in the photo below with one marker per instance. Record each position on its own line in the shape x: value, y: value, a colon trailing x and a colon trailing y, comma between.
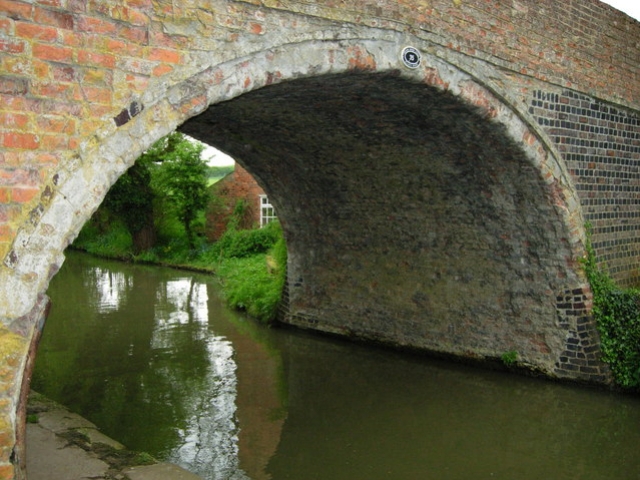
x: 325, y: 59
x: 38, y: 248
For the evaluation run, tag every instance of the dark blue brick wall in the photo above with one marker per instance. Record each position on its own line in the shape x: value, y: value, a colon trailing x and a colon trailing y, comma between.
x: 600, y: 144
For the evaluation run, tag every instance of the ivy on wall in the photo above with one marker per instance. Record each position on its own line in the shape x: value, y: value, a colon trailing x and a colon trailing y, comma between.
x: 617, y: 314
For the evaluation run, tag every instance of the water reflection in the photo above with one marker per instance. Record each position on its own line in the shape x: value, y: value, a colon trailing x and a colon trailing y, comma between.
x: 209, y: 440
x: 144, y: 356
x: 404, y: 419
x: 111, y: 288
x: 153, y: 357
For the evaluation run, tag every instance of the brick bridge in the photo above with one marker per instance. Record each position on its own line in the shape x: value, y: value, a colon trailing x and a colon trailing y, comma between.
x: 433, y: 197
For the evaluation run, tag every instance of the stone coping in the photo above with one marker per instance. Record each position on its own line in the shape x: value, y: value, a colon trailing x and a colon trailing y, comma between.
x: 62, y: 445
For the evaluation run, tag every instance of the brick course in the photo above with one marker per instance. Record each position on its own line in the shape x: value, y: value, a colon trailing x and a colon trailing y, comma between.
x: 601, y: 144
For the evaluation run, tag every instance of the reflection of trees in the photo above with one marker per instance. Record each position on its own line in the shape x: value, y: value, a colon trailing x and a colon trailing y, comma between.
x: 151, y: 357
x: 209, y: 440
x: 107, y: 368
x: 261, y: 394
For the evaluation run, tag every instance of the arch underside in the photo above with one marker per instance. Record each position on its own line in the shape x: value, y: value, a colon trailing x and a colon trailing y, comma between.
x: 411, y: 218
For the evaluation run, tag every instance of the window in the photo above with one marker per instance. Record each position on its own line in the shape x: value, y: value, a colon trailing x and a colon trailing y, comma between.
x: 267, y: 212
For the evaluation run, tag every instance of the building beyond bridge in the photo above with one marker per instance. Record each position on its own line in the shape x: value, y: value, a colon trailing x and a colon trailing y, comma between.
x: 239, y: 194
x: 433, y: 163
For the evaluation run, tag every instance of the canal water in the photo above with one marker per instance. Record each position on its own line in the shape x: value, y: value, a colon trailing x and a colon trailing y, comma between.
x: 153, y: 357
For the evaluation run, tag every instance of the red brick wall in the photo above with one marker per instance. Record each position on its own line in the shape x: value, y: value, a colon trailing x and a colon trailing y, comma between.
x: 586, y: 44
x: 236, y: 186
x: 66, y: 66
x: 57, y: 63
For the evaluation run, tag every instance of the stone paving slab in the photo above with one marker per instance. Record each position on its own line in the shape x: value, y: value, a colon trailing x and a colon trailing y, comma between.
x: 96, y: 436
x: 160, y: 471
x: 65, y: 446
x: 49, y: 457
x: 60, y: 420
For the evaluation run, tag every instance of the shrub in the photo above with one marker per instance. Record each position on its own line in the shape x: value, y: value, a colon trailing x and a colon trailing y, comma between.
x: 248, y: 285
x: 251, y: 263
x: 245, y: 243
x: 617, y: 314
x: 114, y: 243
x: 252, y: 279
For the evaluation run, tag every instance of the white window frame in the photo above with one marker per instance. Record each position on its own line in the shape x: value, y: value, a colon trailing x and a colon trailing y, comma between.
x: 267, y: 212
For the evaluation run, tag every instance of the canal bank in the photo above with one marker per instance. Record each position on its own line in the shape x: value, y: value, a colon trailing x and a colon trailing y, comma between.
x: 62, y: 445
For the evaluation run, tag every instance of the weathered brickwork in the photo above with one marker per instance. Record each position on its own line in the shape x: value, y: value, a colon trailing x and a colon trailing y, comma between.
x: 583, y: 45
x: 600, y: 143
x: 86, y: 86
x: 581, y: 359
x: 409, y: 247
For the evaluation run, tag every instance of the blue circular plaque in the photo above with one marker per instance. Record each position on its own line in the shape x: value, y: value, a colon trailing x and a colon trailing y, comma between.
x: 411, y: 57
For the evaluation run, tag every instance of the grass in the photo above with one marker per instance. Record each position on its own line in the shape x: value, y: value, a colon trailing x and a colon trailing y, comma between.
x: 113, y: 242
x: 248, y: 285
x: 509, y: 358
x: 252, y: 266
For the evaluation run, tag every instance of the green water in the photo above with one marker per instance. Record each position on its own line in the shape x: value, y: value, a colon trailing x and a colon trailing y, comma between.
x: 153, y: 357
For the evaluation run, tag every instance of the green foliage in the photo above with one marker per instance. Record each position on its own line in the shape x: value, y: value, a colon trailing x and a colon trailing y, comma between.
x: 169, y: 228
x: 168, y: 186
x: 248, y: 285
x: 115, y: 242
x: 131, y: 197
x: 279, y: 250
x: 600, y: 282
x: 169, y: 178
x: 143, y: 458
x: 509, y: 358
x: 253, y: 270
x: 89, y: 233
x: 181, y: 178
x: 245, y: 243
x: 617, y: 313
x: 241, y: 218
x: 148, y: 256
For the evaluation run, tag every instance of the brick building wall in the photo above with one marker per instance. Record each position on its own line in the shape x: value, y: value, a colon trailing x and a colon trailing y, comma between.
x: 237, y: 186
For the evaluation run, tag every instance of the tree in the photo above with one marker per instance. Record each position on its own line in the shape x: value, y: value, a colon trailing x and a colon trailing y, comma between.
x: 131, y: 200
x: 181, y: 177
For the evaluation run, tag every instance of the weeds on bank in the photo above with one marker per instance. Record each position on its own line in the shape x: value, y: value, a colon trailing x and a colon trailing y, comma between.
x: 617, y: 315
x: 252, y: 266
x: 509, y: 358
x: 112, y: 242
